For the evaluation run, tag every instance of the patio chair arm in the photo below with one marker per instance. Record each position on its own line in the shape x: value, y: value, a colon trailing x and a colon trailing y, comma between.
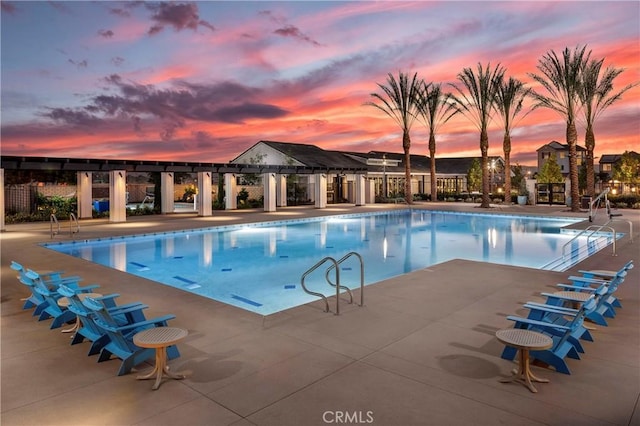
x: 537, y: 323
x: 551, y: 309
x: 64, y: 280
x: 129, y: 307
x: 132, y: 307
x: 589, y: 281
x: 51, y: 273
x: 154, y: 321
x: 87, y: 289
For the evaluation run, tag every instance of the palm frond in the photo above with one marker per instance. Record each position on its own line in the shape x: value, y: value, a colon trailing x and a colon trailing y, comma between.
x: 398, y: 99
x: 476, y: 95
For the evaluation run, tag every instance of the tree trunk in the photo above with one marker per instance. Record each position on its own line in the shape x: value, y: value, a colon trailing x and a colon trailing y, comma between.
x: 406, y: 145
x: 506, y: 146
x: 432, y: 154
x: 590, y: 144
x: 484, y: 150
x: 572, y: 141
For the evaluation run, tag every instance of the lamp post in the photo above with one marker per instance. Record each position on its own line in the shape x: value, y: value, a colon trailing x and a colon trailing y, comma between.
x: 384, y: 175
x: 492, y: 167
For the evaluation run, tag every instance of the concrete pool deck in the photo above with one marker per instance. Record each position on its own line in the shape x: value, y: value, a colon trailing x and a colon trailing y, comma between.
x: 421, y: 352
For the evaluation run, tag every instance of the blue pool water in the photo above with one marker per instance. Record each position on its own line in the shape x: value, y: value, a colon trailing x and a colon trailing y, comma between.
x: 259, y: 266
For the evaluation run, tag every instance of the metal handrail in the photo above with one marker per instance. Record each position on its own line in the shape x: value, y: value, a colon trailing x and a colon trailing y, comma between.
x: 589, y: 228
x: 624, y: 220
x: 345, y: 257
x: 53, y: 219
x: 73, y: 219
x: 596, y: 201
x: 314, y: 293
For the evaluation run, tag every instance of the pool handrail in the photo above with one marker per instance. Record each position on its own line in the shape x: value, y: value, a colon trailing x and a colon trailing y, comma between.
x: 345, y: 257
x: 54, y: 221
x: 594, y: 229
x: 315, y: 293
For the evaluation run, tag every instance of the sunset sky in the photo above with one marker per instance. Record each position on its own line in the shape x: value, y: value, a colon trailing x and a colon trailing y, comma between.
x: 204, y: 81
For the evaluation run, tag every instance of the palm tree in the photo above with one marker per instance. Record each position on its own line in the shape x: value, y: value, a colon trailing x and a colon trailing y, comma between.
x: 435, y: 109
x: 596, y: 96
x: 562, y: 79
x: 509, y: 99
x: 477, y: 104
x: 399, y: 101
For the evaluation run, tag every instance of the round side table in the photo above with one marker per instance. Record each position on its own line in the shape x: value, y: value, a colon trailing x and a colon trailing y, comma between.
x: 524, y: 341
x: 159, y: 338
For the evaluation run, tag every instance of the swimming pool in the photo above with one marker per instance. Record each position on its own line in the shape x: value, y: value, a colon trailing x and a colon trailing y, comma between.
x: 258, y: 266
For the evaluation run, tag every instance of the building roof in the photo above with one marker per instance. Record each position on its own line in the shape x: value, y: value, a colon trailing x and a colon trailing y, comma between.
x: 419, y: 163
x: 313, y: 156
x: 557, y: 146
x: 458, y: 165
x: 614, y: 158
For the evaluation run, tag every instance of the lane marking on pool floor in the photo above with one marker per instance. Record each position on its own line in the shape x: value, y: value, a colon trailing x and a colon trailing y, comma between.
x: 245, y: 300
x: 191, y: 285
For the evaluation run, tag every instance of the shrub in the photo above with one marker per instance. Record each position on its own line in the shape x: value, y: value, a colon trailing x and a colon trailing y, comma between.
x: 622, y: 201
x: 62, y: 207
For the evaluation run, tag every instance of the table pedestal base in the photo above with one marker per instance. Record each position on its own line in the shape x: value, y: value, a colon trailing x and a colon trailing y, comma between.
x: 161, y: 369
x: 523, y: 373
x: 73, y: 329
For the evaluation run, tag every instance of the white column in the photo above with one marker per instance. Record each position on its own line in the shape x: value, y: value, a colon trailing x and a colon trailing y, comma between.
x: 360, y: 190
x: 370, y: 191
x: 321, y: 190
x: 204, y: 194
x: 269, y: 182
x: 117, y: 196
x: 230, y: 192
x: 84, y: 195
x: 167, y: 189
x: 2, y: 211
x: 281, y: 191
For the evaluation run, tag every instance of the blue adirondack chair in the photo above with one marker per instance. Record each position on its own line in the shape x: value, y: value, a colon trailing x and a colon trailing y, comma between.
x: 603, y: 310
x: 561, y: 336
x: 591, y: 278
x: 51, y: 279
x: 89, y: 330
x: 59, y: 313
x: 121, y: 337
x: 607, y: 274
x: 555, y: 313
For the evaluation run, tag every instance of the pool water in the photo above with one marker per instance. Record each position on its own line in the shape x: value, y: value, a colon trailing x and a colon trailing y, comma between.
x: 258, y: 267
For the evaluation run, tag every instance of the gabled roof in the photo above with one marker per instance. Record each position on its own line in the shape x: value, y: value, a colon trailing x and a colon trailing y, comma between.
x: 614, y: 158
x: 610, y: 158
x: 459, y: 165
x: 313, y: 156
x: 557, y: 146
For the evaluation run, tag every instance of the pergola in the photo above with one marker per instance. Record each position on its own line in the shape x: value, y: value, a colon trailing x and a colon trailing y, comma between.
x: 274, y: 178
